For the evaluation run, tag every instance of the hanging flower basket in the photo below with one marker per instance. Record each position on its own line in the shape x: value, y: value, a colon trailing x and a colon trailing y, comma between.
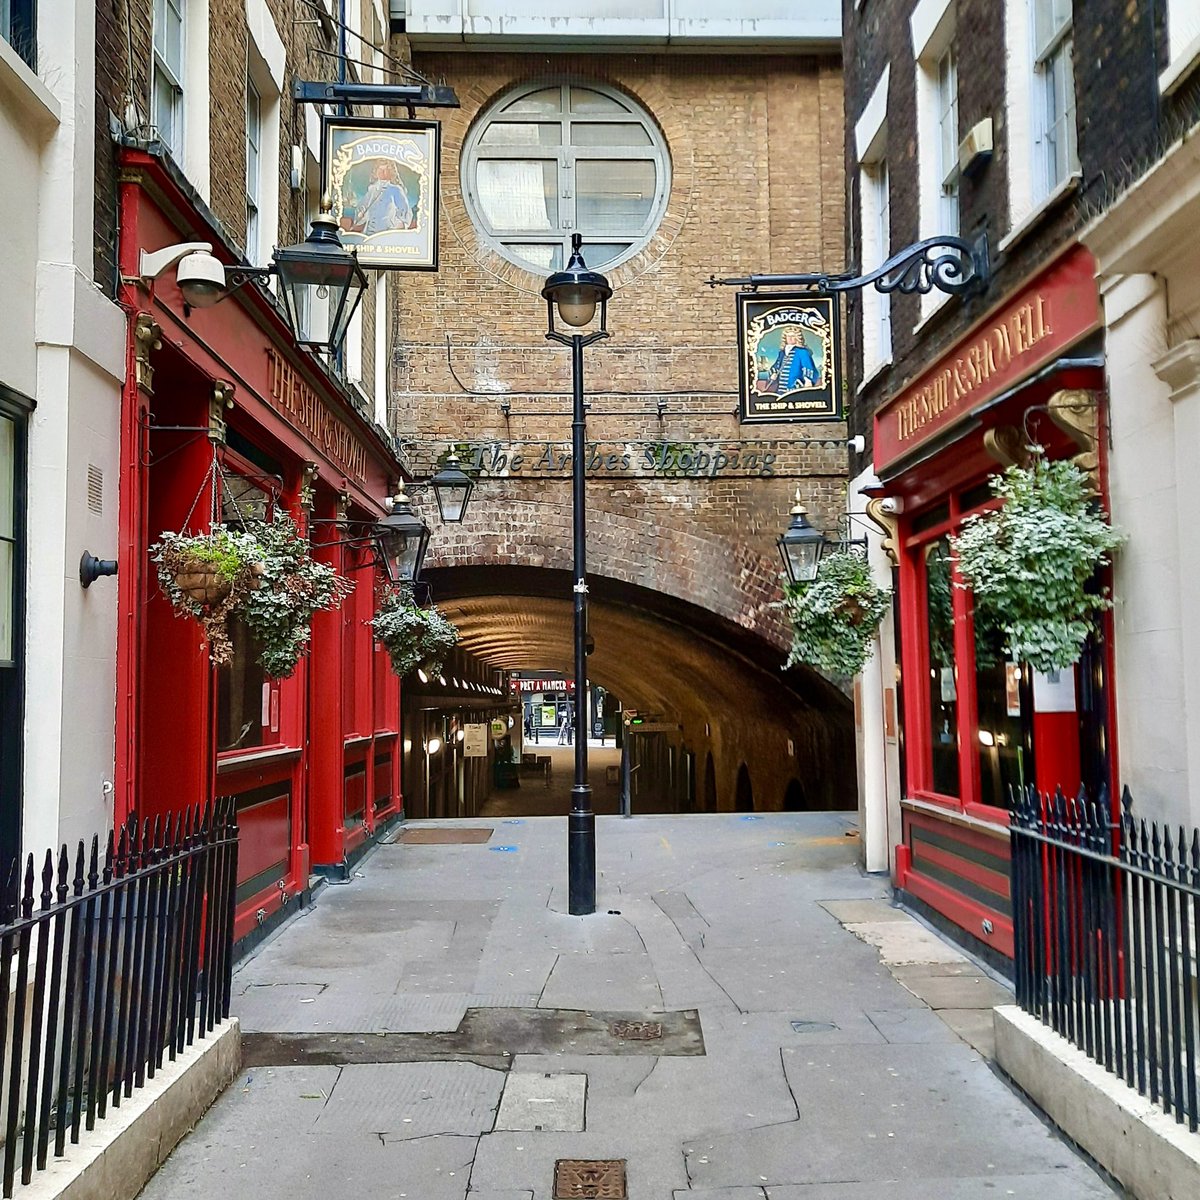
x: 413, y: 637
x: 262, y: 573
x: 834, y: 618
x: 1031, y: 564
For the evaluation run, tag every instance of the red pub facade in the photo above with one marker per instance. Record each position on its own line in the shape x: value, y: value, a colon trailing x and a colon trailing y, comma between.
x: 975, y: 724
x: 313, y: 760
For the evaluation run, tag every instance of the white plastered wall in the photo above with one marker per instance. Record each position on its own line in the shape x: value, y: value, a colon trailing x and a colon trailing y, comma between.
x: 875, y: 706
x: 79, y: 339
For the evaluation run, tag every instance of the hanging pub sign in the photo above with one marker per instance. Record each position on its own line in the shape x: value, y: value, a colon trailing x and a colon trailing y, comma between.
x: 789, y: 357
x: 382, y: 178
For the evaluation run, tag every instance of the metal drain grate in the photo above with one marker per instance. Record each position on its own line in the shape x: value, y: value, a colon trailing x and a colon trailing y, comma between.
x: 589, y: 1179
x: 636, y: 1031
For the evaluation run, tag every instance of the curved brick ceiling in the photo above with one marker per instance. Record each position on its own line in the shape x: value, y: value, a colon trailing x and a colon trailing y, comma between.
x: 724, y: 686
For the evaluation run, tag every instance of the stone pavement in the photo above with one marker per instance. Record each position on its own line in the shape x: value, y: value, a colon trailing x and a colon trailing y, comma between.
x: 441, y: 1028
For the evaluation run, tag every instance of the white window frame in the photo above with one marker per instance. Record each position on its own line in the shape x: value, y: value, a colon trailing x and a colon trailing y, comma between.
x: 1183, y: 43
x: 254, y: 166
x: 933, y: 27
x: 1055, y: 124
x: 1028, y: 199
x: 567, y: 156
x: 874, y: 192
x: 161, y: 69
x: 266, y: 70
x: 382, y: 341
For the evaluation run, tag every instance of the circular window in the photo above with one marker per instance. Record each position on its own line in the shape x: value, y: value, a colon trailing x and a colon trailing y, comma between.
x: 547, y: 162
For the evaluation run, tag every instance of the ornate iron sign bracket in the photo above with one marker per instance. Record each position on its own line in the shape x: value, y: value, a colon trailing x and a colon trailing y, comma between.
x: 949, y: 264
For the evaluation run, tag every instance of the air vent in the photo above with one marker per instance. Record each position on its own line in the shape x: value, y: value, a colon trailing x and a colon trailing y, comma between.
x: 95, y: 486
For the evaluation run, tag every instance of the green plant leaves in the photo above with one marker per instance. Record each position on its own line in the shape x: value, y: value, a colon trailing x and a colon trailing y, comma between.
x: 413, y: 637
x: 835, y: 617
x: 274, y: 585
x: 1031, y: 564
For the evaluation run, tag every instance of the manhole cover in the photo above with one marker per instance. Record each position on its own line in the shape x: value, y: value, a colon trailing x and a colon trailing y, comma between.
x: 813, y: 1026
x: 589, y: 1179
x: 636, y: 1031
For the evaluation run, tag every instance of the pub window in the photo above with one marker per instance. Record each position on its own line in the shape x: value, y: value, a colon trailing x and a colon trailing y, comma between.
x: 247, y: 700
x: 253, y: 167
x: 943, y: 670
x: 547, y: 161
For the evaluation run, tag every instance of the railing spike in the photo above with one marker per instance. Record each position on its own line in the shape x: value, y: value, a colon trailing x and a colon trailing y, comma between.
x: 80, y: 880
x: 48, y: 879
x: 64, y: 874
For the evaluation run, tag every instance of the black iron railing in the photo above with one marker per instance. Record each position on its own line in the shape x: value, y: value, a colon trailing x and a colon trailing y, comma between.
x: 121, y: 961
x: 1105, y: 921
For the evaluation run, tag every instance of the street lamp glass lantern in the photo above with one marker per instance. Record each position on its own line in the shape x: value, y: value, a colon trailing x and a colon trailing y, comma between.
x: 801, y: 546
x: 402, y: 538
x: 576, y: 291
x: 452, y: 487
x: 321, y: 285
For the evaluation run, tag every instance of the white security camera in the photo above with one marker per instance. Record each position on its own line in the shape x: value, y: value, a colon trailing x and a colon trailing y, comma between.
x: 892, y: 505
x: 858, y: 443
x: 201, y: 279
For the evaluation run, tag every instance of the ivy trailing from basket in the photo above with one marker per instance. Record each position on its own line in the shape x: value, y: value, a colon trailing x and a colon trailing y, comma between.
x: 413, y: 636
x: 262, y: 573
x: 294, y: 586
x: 834, y: 618
x: 1031, y: 563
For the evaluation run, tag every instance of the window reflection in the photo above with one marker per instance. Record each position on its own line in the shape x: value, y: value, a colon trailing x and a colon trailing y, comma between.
x: 1005, y: 725
x: 943, y: 685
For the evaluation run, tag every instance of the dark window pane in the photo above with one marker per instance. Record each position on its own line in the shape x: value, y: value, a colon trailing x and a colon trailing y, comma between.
x: 240, y: 687
x: 943, y: 683
x: 1005, y: 724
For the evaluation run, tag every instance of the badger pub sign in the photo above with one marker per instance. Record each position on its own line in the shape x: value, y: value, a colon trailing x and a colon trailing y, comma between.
x: 789, y: 357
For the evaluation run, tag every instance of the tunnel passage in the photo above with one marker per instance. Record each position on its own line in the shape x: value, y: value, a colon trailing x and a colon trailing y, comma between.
x: 723, y: 686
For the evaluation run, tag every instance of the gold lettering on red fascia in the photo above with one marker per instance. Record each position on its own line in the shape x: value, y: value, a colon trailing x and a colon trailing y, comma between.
x: 991, y: 352
x: 306, y: 411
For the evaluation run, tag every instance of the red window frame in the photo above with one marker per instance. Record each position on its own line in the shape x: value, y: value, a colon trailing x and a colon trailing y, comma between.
x: 916, y: 661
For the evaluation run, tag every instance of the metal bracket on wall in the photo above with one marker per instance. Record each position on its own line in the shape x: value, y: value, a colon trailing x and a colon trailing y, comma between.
x: 219, y: 401
x: 949, y: 264
x: 147, y: 336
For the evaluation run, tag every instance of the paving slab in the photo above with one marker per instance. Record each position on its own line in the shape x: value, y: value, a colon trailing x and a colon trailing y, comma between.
x: 903, y: 942
x: 891, y: 1112
x: 960, y: 991
x: 543, y: 1101
x: 974, y: 1025
x: 911, y: 1026
x: 1055, y: 1185
x: 853, y: 912
x: 397, y: 1101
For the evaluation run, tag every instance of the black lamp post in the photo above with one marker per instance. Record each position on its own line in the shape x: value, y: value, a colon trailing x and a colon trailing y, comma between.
x: 402, y: 538
x: 801, y: 546
x: 575, y: 292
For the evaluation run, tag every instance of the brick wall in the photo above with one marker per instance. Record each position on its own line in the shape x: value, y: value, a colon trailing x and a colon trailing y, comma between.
x: 1123, y: 125
x: 755, y: 146
x: 123, y: 90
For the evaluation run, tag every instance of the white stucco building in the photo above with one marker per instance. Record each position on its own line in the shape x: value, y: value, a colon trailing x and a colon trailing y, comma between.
x: 61, y: 366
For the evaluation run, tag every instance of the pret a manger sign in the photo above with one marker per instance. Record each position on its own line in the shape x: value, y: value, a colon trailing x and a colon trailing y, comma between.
x: 1052, y: 313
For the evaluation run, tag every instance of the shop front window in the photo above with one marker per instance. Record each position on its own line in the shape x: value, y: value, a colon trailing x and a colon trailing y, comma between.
x: 247, y: 700
x: 943, y: 681
x: 1004, y: 730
